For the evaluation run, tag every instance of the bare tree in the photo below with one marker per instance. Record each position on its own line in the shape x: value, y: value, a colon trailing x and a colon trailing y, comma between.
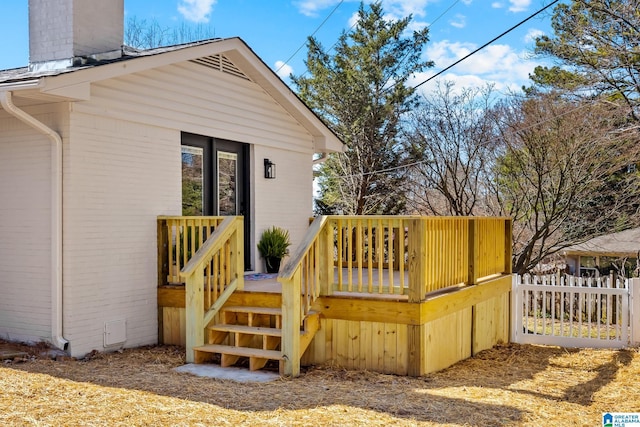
x: 143, y: 34
x: 565, y: 174
x: 454, y: 138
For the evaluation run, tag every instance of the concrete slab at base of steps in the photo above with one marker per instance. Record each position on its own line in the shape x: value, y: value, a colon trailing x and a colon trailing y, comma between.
x: 234, y: 374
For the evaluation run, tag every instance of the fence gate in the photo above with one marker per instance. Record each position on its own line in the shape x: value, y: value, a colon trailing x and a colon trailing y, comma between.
x: 571, y: 311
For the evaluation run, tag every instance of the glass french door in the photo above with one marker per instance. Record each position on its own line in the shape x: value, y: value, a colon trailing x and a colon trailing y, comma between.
x: 227, y: 181
x: 215, y: 180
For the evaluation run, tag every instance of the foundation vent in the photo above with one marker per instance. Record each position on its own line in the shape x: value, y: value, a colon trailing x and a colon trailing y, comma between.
x: 115, y: 332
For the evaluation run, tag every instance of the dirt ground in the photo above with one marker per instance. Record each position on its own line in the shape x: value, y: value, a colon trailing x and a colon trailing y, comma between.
x: 509, y: 385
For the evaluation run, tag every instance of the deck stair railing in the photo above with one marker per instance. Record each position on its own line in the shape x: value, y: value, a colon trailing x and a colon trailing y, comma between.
x: 211, y: 275
x: 409, y: 257
x: 179, y: 237
x: 309, y: 269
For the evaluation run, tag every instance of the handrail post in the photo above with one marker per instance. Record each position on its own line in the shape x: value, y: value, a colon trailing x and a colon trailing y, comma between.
x: 326, y: 258
x: 417, y: 259
x: 508, y: 248
x: 417, y: 248
x: 291, y: 321
x: 194, y: 303
x: 237, y: 259
x: 163, y: 251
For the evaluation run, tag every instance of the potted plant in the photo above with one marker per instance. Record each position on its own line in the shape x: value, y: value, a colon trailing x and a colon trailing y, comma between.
x: 273, y: 246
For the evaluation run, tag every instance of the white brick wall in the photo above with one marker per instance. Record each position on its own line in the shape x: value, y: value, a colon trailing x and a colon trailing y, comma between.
x: 25, y: 262
x: 195, y: 99
x: 122, y: 170
x: 63, y: 29
x: 119, y: 176
x: 286, y: 201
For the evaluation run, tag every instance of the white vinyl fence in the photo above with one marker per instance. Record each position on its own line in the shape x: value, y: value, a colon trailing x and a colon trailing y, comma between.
x: 573, y: 311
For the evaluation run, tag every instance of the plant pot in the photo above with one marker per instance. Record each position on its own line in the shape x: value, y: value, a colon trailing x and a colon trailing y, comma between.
x: 272, y: 264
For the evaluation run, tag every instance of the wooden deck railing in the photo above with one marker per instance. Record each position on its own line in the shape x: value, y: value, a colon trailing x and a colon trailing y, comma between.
x: 372, y: 253
x: 179, y: 237
x: 411, y: 255
x: 212, y: 274
x: 382, y: 255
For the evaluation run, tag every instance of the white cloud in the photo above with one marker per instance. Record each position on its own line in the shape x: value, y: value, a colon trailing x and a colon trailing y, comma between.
x: 497, y: 5
x: 196, y: 10
x: 403, y: 8
x: 283, y: 70
x: 519, y: 5
x: 459, y: 21
x: 498, y: 64
x: 354, y: 20
x: 532, y: 34
x: 312, y: 7
x: 394, y: 8
x: 462, y: 82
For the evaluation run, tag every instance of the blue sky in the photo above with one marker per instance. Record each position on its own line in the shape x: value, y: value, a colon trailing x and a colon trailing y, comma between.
x: 276, y: 29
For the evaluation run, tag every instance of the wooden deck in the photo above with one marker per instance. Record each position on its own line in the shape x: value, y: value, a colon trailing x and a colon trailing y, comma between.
x: 411, y: 295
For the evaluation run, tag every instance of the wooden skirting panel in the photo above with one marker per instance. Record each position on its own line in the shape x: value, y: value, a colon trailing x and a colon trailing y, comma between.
x: 420, y: 338
x: 395, y: 337
x: 491, y: 322
x: 173, y: 329
x: 352, y: 344
x: 445, y: 341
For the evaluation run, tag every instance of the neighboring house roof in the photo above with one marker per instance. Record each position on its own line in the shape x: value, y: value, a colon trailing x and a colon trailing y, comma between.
x: 231, y: 55
x: 621, y: 244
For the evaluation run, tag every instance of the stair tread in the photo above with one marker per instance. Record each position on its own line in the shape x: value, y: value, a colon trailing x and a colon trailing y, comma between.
x: 240, y: 351
x: 257, y: 310
x: 256, y: 330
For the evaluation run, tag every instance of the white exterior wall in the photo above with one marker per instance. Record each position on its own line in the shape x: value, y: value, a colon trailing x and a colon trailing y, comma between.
x: 119, y: 176
x: 124, y: 169
x: 25, y: 226
x: 286, y: 201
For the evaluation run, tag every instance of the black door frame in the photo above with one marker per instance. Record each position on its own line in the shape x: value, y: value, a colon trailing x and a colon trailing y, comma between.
x: 211, y: 146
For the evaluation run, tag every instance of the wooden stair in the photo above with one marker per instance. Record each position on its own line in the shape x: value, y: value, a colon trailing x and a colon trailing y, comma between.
x: 253, y: 333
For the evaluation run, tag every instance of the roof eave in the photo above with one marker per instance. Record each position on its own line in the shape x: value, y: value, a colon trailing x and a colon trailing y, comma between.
x: 76, y: 84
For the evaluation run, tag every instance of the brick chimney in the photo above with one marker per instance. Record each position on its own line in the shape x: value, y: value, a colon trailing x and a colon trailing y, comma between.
x: 63, y: 33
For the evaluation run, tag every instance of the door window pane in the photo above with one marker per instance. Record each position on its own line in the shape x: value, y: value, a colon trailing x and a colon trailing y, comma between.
x: 192, y: 181
x: 227, y: 183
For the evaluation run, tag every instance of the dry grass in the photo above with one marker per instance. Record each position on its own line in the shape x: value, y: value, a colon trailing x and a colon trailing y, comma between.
x: 508, y: 385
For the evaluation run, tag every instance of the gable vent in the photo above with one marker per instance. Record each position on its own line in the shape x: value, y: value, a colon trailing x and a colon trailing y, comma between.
x: 221, y: 63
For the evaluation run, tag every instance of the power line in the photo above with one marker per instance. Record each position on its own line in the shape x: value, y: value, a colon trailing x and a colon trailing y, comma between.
x: 496, y: 139
x: 487, y: 44
x: 312, y: 34
x: 356, y: 23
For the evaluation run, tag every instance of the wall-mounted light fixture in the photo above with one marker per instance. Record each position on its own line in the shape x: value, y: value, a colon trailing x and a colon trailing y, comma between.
x: 269, y: 169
